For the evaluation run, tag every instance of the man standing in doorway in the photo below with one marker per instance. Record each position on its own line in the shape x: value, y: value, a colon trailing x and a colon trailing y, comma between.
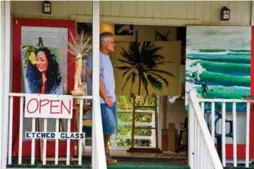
x: 107, y: 90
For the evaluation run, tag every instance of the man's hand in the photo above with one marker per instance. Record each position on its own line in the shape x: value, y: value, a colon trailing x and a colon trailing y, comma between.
x: 109, y: 102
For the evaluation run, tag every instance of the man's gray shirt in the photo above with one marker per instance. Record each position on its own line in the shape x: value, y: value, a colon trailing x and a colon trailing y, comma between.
x: 106, y: 75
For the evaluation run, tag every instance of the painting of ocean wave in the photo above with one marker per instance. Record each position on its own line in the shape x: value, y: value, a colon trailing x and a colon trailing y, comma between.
x: 218, y: 62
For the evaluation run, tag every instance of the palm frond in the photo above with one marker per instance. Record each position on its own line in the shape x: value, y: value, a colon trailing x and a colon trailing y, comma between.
x: 126, y: 61
x: 133, y: 78
x: 158, y: 57
x: 160, y: 77
x: 134, y: 51
x: 160, y: 71
x: 127, y: 71
x: 123, y: 67
x: 154, y: 49
x: 145, y: 83
x: 126, y: 81
x: 154, y: 82
x: 149, y: 54
x: 162, y: 62
x: 127, y: 55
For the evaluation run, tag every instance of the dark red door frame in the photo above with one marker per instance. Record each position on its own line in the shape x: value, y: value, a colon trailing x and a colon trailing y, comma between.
x: 16, y: 79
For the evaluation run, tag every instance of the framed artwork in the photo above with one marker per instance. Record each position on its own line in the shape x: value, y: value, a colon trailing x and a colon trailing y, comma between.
x: 124, y: 30
x: 38, y: 47
x: 219, y: 66
x: 86, y: 27
x: 157, y: 74
x: 161, y: 37
x: 41, y: 69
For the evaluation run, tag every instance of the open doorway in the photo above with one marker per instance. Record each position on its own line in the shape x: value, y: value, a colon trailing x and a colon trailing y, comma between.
x: 151, y: 134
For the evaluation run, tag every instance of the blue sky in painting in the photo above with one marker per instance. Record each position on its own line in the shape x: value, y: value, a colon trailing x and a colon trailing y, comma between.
x: 218, y: 37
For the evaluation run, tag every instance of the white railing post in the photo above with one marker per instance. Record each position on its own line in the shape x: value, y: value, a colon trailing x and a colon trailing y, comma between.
x: 191, y: 140
x: 98, y: 150
x: 56, y: 143
x: 10, y: 131
x: 45, y: 126
x: 68, y: 143
x: 80, y: 131
x: 153, y: 134
x: 2, y: 75
x: 247, y: 146
x: 202, y: 138
x: 223, y: 119
x: 33, y: 143
x: 21, y: 108
x: 234, y: 135
x: 5, y: 81
x: 212, y: 120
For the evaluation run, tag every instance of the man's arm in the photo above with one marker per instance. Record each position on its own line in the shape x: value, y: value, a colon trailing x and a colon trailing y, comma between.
x: 103, y: 93
x: 102, y: 90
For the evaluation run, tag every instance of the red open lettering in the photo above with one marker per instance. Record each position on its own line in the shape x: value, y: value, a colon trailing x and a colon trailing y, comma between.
x: 28, y: 108
x: 43, y: 102
x: 52, y: 106
x: 68, y: 109
x: 48, y: 107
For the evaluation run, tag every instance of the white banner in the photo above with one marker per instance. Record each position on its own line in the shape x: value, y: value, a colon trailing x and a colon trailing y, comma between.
x: 54, y: 135
x: 49, y: 106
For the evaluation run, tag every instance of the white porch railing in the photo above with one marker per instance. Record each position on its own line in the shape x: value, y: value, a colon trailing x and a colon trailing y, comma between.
x: 201, y: 109
x: 98, y: 151
x: 202, y: 152
x: 35, y: 121
x: 234, y: 128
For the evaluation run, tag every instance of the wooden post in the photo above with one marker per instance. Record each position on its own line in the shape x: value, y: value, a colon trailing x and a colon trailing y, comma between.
x: 156, y: 123
x: 164, y: 111
x: 133, y: 122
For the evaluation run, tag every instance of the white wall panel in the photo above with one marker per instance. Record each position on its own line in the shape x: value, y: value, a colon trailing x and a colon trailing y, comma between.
x: 164, y: 13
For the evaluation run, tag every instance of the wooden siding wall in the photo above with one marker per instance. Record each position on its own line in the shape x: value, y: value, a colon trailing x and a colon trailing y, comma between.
x: 141, y: 12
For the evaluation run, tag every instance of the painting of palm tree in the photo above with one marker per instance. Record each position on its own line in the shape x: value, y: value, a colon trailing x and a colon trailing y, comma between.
x: 140, y: 62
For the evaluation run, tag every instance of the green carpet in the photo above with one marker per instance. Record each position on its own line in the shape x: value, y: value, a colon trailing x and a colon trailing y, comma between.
x: 123, y: 163
x: 238, y: 167
x: 146, y: 163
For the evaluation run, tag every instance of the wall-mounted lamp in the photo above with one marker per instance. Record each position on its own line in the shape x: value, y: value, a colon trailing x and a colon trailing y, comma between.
x: 46, y: 7
x: 225, y: 14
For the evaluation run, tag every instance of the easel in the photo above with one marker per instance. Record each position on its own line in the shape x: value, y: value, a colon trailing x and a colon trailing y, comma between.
x: 135, y: 107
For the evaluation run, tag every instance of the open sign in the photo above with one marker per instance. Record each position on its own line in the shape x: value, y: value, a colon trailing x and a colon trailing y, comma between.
x: 48, y: 106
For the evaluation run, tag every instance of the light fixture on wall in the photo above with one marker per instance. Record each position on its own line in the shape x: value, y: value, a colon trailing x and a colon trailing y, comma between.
x: 46, y: 7
x: 225, y: 14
